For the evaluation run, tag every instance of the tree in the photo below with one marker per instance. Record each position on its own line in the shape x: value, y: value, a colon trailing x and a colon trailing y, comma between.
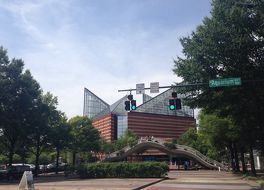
x: 228, y: 44
x: 192, y: 138
x: 44, y: 117
x: 219, y: 134
x: 106, y: 147
x: 18, y: 93
x: 60, y: 135
x: 127, y: 139
x: 84, y: 137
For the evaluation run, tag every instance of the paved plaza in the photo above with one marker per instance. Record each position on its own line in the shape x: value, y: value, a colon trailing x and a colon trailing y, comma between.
x: 203, y: 180
x: 178, y: 180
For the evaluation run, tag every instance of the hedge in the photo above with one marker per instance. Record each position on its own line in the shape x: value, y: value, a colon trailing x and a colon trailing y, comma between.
x: 123, y: 169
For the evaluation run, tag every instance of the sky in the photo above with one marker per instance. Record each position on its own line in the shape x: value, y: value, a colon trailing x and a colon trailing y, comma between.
x: 103, y: 45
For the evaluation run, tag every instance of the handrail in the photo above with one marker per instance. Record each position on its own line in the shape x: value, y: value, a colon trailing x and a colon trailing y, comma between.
x: 185, y: 148
x: 203, y: 157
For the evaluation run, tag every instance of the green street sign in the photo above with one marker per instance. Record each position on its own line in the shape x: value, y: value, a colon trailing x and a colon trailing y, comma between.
x: 225, y: 82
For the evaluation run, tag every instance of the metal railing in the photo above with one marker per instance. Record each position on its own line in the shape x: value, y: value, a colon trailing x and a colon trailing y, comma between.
x: 201, y: 156
x: 194, y: 152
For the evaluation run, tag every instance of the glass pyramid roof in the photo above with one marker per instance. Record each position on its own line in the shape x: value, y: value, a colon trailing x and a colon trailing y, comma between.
x: 94, y: 107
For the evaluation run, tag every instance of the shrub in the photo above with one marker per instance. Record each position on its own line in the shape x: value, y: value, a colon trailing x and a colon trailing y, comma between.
x: 3, y: 159
x: 123, y: 169
x: 170, y: 145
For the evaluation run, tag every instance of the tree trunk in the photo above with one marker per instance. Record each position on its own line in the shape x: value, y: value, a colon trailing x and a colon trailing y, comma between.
x: 232, y: 157
x: 57, y: 160
x: 24, y: 155
x: 252, y: 164
x: 11, y: 154
x: 37, y: 158
x: 73, y: 159
x: 244, y: 168
x: 236, y: 158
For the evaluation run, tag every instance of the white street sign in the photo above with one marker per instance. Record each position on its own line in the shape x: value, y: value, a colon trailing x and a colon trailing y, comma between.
x: 26, y: 182
x: 154, y: 87
x: 140, y: 88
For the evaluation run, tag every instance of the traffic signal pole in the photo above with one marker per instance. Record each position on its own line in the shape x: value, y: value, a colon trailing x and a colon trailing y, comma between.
x: 198, y: 84
x: 174, y: 103
x: 171, y: 86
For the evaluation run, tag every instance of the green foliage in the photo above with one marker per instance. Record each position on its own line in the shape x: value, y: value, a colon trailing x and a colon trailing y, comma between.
x: 59, y: 135
x: 228, y: 44
x: 191, y: 138
x: 3, y: 159
x: 174, y: 141
x: 123, y: 169
x: 218, y: 131
x: 18, y: 94
x: 83, y: 135
x: 106, y: 147
x: 45, y: 158
x: 170, y: 145
x: 60, y: 132
x: 45, y: 117
x: 215, y: 134
x: 28, y: 118
x: 17, y: 158
x: 128, y: 139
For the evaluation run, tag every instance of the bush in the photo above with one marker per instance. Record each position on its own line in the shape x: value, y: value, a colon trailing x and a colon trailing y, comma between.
x: 170, y: 145
x: 123, y: 169
x: 3, y: 159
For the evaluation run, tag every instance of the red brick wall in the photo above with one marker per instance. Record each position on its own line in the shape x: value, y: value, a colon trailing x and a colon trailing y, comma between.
x: 160, y: 126
x: 106, y: 127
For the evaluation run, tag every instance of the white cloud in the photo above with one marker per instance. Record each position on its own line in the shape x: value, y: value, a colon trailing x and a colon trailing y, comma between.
x: 64, y: 58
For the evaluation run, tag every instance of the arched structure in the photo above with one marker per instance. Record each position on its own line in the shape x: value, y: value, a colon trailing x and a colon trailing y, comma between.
x: 180, y: 150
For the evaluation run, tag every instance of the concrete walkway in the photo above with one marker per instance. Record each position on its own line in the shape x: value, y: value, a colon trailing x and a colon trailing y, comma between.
x: 84, y: 184
x: 178, y: 180
x: 203, y: 180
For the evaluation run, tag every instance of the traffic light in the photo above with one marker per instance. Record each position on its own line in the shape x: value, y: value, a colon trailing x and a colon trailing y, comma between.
x: 178, y: 104
x: 133, y: 105
x: 127, y: 105
x: 174, y: 94
x: 172, y: 104
x: 130, y: 97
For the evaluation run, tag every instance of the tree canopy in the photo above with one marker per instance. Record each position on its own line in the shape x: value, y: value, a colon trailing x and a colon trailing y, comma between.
x: 84, y: 137
x: 31, y: 124
x: 18, y: 95
x: 229, y: 43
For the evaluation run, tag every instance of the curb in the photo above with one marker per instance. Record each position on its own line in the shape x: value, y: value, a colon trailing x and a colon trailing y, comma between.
x: 152, y: 183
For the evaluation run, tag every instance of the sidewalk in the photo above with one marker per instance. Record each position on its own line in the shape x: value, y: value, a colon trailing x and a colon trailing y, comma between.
x: 203, y: 180
x: 85, y: 184
x: 178, y: 180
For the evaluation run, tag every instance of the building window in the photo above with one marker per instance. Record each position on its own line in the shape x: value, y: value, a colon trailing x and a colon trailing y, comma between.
x: 121, y: 125
x: 92, y: 104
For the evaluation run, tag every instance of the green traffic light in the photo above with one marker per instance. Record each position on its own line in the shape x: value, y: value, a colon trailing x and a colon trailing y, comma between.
x: 133, y: 107
x: 172, y: 107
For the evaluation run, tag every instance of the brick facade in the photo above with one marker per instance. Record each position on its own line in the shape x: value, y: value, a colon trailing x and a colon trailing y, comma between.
x: 160, y: 126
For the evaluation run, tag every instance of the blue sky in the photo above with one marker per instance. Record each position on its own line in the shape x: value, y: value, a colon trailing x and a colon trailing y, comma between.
x: 104, y: 45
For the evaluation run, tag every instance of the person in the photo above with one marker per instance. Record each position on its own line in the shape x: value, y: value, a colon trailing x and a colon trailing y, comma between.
x: 186, y: 165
